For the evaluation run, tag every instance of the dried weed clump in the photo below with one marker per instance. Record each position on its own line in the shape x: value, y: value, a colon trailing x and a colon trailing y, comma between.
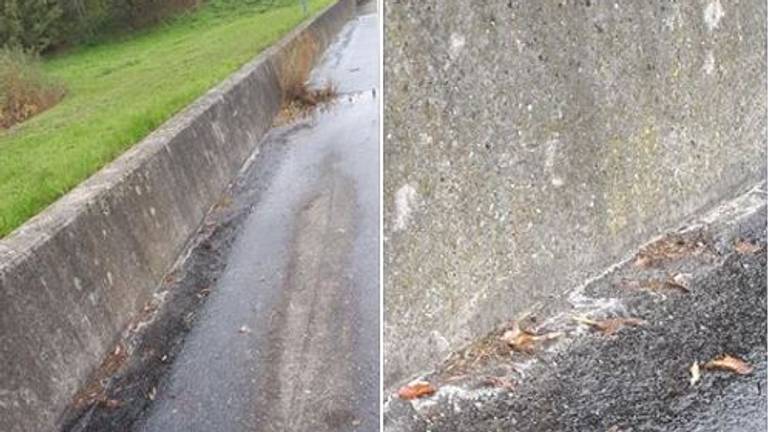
x: 300, y: 99
x: 25, y: 90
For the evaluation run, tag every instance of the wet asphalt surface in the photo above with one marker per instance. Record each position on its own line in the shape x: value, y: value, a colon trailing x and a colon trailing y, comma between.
x: 639, y: 378
x: 271, y: 320
x: 289, y: 337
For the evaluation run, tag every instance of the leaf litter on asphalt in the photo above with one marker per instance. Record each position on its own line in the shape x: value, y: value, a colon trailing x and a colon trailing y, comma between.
x: 415, y: 390
x: 524, y: 340
x: 726, y: 363
x: 681, y: 281
x: 745, y: 247
x: 729, y: 363
x: 670, y: 248
x: 610, y: 326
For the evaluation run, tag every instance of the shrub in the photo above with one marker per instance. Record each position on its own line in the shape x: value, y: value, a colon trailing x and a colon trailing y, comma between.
x: 29, y: 24
x: 24, y: 88
x: 37, y: 25
x: 139, y: 13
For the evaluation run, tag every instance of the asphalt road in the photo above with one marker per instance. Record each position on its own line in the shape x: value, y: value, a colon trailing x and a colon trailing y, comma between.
x: 288, y: 337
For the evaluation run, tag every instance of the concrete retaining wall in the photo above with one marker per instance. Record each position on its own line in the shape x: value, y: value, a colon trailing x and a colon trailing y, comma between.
x: 72, y: 277
x: 529, y: 144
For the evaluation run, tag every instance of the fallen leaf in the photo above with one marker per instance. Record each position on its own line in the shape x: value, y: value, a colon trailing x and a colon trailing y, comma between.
x: 152, y: 393
x: 503, y: 383
x: 681, y: 281
x: 610, y: 326
x: 670, y: 248
x: 521, y: 339
x: 416, y: 390
x: 643, y: 261
x: 112, y: 403
x: 731, y: 364
x: 695, y: 373
x: 746, y: 248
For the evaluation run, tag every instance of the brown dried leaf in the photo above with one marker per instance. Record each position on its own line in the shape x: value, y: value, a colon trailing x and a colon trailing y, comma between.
x: 680, y: 281
x: 112, y: 403
x: 416, y: 390
x: 729, y: 363
x: 499, y: 382
x: 670, y: 248
x: 524, y: 340
x: 746, y: 248
x: 610, y: 326
x: 519, y: 340
x: 643, y: 261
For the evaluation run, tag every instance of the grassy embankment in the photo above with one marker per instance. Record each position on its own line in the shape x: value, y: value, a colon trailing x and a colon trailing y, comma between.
x: 119, y: 90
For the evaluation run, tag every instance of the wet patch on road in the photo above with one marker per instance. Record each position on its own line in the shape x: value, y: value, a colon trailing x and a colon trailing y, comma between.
x: 311, y: 336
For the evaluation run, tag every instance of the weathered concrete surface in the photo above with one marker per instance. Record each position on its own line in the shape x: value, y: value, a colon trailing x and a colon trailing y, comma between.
x: 529, y: 146
x: 271, y: 322
x: 639, y: 378
x: 72, y: 277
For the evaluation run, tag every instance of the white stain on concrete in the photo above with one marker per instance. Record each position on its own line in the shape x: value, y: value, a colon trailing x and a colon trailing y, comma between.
x: 551, y: 152
x: 458, y: 42
x: 674, y: 19
x: 713, y: 13
x: 405, y: 201
x: 218, y: 132
x: 439, y: 344
x: 709, y: 63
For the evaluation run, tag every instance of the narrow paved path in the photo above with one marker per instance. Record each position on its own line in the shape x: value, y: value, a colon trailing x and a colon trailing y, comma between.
x: 288, y: 338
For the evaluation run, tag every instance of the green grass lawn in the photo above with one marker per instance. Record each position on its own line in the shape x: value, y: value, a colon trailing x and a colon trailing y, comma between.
x: 119, y: 90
